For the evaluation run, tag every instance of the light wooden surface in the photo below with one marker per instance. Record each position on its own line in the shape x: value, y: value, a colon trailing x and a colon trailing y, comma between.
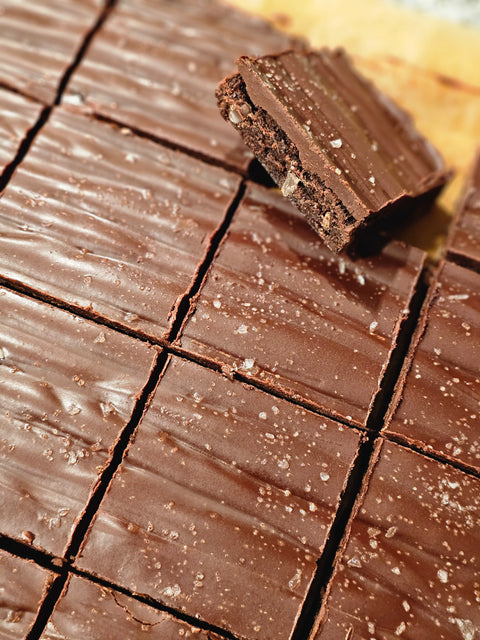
x: 428, y: 65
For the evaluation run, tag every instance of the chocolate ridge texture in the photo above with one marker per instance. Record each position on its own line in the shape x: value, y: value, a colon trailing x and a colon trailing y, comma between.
x: 343, y: 152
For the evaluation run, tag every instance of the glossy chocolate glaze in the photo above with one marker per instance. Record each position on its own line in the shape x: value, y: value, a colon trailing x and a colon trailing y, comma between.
x: 155, y: 65
x: 22, y: 585
x: 410, y: 568
x: 347, y: 136
x: 39, y: 41
x: 110, y: 222
x: 18, y: 116
x: 90, y: 611
x: 463, y: 245
x: 438, y: 394
x: 68, y: 388
x: 280, y: 308
x: 189, y: 494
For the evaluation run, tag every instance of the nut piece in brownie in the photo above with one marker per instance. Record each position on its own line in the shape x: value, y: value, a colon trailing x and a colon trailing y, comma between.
x: 410, y: 567
x: 436, y: 402
x: 463, y: 246
x: 343, y: 152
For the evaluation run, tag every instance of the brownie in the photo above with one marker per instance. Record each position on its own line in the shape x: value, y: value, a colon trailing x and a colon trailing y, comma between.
x: 22, y: 585
x: 110, y: 223
x: 463, y: 244
x: 341, y: 151
x: 436, y: 402
x: 90, y: 611
x: 410, y: 568
x: 68, y: 388
x: 39, y: 42
x: 223, y: 531
x: 155, y: 65
x: 279, y: 308
x: 19, y: 114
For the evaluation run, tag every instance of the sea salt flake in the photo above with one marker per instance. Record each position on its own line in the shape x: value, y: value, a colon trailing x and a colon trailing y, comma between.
x: 467, y: 628
x: 400, y: 629
x: 290, y: 184
x: 442, y: 575
x: 337, y: 143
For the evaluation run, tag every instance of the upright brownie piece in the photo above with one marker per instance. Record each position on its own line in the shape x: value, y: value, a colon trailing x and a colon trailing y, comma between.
x: 18, y: 116
x: 280, y: 308
x: 410, y: 568
x: 223, y: 503
x: 39, y: 41
x: 463, y: 245
x: 340, y: 150
x: 22, y: 585
x: 155, y: 65
x: 436, y: 403
x: 110, y: 222
x: 68, y: 388
x: 90, y: 611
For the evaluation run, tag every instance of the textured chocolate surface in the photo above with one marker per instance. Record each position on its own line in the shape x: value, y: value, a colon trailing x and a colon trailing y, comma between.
x: 463, y: 245
x: 155, y: 65
x: 189, y: 494
x: 339, y: 149
x: 279, y: 307
x: 90, y: 611
x: 18, y: 115
x: 68, y: 388
x: 110, y: 222
x: 39, y: 41
x: 410, y: 569
x: 438, y: 395
x: 21, y: 588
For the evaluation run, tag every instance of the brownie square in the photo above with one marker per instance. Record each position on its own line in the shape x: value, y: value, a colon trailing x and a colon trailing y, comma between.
x: 109, y: 222
x: 22, y: 586
x: 463, y: 244
x: 410, y: 567
x: 19, y: 114
x: 436, y: 402
x: 39, y: 41
x: 68, y: 388
x: 223, y: 503
x: 155, y: 64
x: 91, y: 611
x: 280, y: 308
x: 343, y: 152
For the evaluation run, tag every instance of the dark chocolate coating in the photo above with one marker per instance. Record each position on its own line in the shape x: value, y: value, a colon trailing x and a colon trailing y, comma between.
x: 438, y: 394
x: 410, y: 568
x: 155, y: 65
x: 39, y: 41
x: 356, y: 150
x: 90, y: 611
x: 22, y: 585
x: 68, y: 388
x: 18, y: 116
x: 279, y: 307
x: 110, y: 222
x: 463, y: 244
x: 224, y: 532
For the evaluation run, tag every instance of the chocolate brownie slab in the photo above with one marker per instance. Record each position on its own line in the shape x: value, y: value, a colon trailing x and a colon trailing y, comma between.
x: 68, y: 388
x: 463, y: 244
x: 344, y: 153
x: 280, y: 308
x: 223, y: 503
x: 436, y: 402
x: 109, y: 222
x: 410, y: 568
